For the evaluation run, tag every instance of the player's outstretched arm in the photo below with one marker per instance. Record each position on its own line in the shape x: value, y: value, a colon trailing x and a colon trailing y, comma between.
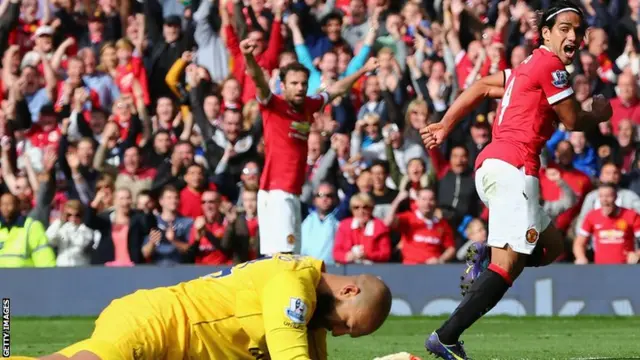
x: 254, y: 70
x: 491, y: 86
x: 342, y: 86
x: 575, y: 118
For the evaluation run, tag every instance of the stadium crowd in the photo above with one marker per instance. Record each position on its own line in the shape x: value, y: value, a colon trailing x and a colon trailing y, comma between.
x: 131, y: 134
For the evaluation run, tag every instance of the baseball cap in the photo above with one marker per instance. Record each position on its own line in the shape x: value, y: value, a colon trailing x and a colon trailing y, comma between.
x: 43, y: 30
x: 173, y: 20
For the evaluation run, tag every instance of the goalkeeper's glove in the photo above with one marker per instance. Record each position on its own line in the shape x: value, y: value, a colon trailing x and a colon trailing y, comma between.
x: 399, y: 356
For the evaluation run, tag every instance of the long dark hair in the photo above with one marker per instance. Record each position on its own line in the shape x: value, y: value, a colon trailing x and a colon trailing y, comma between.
x: 548, y: 17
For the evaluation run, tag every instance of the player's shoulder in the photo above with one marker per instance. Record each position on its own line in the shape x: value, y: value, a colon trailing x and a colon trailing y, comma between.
x: 317, y: 99
x: 295, y: 263
x: 544, y: 56
x: 628, y: 213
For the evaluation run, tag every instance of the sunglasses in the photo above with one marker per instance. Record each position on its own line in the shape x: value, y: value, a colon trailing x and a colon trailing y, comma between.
x: 324, y: 195
x: 247, y: 171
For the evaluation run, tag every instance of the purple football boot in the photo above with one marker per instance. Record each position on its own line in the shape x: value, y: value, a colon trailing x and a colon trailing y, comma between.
x: 477, y: 262
x: 448, y: 352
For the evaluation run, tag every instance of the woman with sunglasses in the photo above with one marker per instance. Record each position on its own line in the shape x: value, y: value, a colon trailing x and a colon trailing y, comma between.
x: 362, y: 239
x: 72, y: 239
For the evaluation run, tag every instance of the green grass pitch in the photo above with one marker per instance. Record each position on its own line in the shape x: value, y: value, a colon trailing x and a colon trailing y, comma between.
x: 491, y: 338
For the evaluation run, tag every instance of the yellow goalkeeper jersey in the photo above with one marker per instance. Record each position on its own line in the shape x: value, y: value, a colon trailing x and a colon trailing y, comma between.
x: 255, y: 310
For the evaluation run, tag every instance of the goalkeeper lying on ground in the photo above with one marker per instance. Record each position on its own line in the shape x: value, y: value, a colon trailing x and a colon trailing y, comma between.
x: 276, y: 308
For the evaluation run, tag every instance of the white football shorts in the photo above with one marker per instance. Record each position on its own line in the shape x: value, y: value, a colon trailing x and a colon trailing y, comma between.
x: 279, y: 221
x: 516, y: 217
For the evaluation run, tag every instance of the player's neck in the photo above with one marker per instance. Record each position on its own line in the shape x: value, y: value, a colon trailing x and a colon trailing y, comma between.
x: 330, y: 284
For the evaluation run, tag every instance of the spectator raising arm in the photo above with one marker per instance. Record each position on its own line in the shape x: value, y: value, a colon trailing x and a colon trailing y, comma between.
x: 50, y: 78
x: 8, y: 175
x: 342, y: 86
x: 253, y: 69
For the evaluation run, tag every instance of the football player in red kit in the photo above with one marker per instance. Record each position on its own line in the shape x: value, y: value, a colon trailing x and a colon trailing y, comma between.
x: 287, y: 122
x: 535, y: 95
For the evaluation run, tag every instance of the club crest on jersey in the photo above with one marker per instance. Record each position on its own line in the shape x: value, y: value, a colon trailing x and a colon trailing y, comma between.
x: 560, y: 78
x: 532, y: 236
x: 296, y: 311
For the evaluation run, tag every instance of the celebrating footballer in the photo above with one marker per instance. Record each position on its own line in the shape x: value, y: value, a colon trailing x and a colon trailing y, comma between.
x: 535, y: 96
x: 287, y: 123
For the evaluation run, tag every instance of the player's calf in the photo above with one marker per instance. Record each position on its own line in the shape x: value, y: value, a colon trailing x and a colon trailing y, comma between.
x: 506, y: 265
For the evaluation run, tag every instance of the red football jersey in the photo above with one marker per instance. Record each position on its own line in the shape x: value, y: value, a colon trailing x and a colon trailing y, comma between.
x: 423, y: 239
x: 525, y: 118
x: 190, y: 203
x: 613, y: 236
x: 285, y: 142
x: 208, y: 254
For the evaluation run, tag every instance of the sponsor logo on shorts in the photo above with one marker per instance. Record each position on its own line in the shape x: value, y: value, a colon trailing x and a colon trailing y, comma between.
x: 560, y: 78
x: 296, y: 311
x: 291, y: 239
x: 532, y: 236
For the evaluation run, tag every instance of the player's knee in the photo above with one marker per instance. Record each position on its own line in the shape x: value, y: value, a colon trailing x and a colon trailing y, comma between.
x: 552, y: 241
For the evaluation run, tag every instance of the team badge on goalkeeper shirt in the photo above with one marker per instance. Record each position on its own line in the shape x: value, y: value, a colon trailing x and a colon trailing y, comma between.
x: 296, y: 311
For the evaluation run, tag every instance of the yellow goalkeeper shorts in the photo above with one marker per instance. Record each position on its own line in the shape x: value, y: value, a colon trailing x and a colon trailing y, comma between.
x: 148, y: 324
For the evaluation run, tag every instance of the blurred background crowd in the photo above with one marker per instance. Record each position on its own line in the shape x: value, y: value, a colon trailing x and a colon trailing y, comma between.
x: 130, y: 133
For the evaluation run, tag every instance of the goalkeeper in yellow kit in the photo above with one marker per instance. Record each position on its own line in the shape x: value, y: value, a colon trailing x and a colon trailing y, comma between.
x: 277, y: 308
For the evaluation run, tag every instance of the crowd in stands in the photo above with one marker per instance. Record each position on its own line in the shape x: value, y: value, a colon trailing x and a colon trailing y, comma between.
x: 130, y: 131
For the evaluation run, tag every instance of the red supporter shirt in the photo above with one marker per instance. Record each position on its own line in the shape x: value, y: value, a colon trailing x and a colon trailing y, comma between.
x: 526, y: 118
x: 423, y: 239
x: 22, y: 35
x: 578, y: 181
x: 252, y: 225
x: 208, y: 254
x: 142, y: 173
x: 614, y: 236
x: 624, y: 112
x: 268, y: 60
x: 92, y: 103
x: 125, y: 74
x: 373, y: 236
x: 464, y: 65
x: 285, y: 142
x: 43, y: 139
x: 190, y: 203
